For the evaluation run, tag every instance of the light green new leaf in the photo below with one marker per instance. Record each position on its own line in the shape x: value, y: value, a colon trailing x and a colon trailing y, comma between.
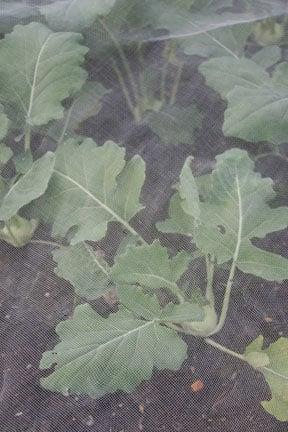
x: 97, y: 356
x: 175, y: 125
x: 49, y: 72
x: 234, y: 210
x: 75, y: 15
x: 90, y: 187
x: 228, y: 41
x: 18, y: 231
x: 29, y: 187
x: 275, y: 370
x: 150, y: 266
x: 84, y: 269
x: 87, y: 103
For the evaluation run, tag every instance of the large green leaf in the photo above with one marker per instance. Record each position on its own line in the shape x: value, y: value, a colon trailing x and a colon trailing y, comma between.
x: 75, y: 15
x: 234, y: 210
x: 175, y: 125
x: 97, y: 355
x: 86, y: 270
x: 150, y: 266
x: 257, y: 104
x: 275, y: 369
x: 38, y: 69
x: 90, y: 187
x: 29, y: 187
x: 87, y: 103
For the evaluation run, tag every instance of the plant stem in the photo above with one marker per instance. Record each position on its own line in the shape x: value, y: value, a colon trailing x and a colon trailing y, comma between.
x: 27, y: 137
x: 224, y: 349
x: 210, y: 276
x: 164, y: 74
x: 124, y: 60
x: 133, y: 109
x: 227, y: 294
x: 176, y: 84
x: 45, y: 242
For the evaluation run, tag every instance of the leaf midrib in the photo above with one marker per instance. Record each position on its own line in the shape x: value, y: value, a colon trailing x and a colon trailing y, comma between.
x: 100, y: 347
x: 98, y: 201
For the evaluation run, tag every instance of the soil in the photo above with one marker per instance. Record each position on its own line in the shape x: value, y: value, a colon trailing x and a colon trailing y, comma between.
x: 212, y: 391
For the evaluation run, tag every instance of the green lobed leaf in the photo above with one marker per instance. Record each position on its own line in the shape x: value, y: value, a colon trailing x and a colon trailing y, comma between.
x: 76, y: 15
x: 96, y: 356
x: 234, y: 210
x: 150, y: 266
x: 228, y: 41
x: 29, y: 187
x: 50, y: 72
x: 86, y: 196
x: 257, y: 104
x: 86, y: 270
x: 275, y: 371
x: 175, y: 125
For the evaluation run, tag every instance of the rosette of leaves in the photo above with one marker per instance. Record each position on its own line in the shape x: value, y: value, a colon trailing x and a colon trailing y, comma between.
x: 222, y: 212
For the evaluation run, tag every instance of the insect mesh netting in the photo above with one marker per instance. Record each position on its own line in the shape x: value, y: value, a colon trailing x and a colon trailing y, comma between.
x: 143, y: 215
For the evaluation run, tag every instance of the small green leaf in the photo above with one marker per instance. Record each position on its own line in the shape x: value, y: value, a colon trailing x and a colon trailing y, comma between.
x: 267, y: 56
x: 51, y: 62
x: 188, y: 191
x: 179, y: 313
x: 141, y: 304
x: 87, y: 103
x: 87, y: 196
x: 23, y: 162
x: 175, y: 125
x: 275, y: 369
x: 84, y: 269
x: 4, y: 123
x: 29, y: 187
x: 5, y: 154
x: 75, y: 15
x: 150, y: 266
x: 97, y: 356
x: 178, y: 221
x: 18, y: 231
